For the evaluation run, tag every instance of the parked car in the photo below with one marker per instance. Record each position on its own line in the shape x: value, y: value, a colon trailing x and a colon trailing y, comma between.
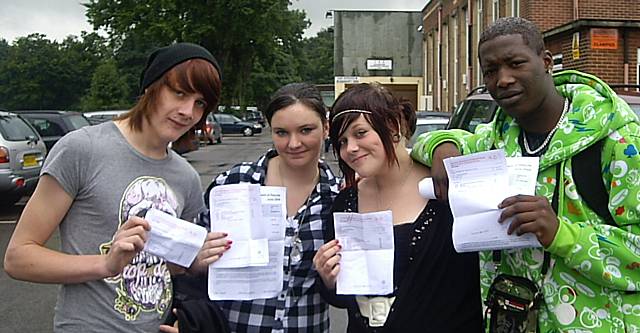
x: 188, y: 142
x: 233, y: 125
x: 479, y: 107
x: 22, y: 153
x: 427, y: 123
x: 211, y: 131
x: 253, y: 115
x: 54, y: 124
x: 97, y: 117
x: 631, y: 95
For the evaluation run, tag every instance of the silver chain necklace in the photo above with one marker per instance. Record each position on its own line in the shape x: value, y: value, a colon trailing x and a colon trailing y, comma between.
x: 296, y: 245
x: 546, y: 140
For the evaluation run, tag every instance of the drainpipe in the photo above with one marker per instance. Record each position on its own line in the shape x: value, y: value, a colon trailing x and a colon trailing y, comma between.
x: 625, y: 55
x: 469, y: 48
x: 439, y: 87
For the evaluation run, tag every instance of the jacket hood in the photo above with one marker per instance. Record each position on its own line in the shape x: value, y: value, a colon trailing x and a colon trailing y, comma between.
x: 595, y: 112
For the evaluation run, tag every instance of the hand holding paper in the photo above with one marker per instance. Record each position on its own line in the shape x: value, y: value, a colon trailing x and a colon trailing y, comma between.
x: 478, y: 183
x: 366, y: 263
x: 253, y: 282
x: 173, y: 239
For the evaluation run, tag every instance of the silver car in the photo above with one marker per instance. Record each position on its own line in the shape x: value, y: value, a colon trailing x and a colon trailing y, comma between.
x: 22, y: 153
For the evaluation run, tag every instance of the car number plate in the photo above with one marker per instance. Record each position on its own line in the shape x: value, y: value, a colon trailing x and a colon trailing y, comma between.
x: 29, y: 161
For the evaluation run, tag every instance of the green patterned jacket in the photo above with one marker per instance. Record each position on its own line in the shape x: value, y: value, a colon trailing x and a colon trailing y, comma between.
x: 595, y: 267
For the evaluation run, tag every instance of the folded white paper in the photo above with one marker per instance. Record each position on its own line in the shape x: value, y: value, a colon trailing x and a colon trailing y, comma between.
x: 366, y: 264
x: 478, y: 183
x: 247, y: 283
x: 237, y: 210
x: 177, y: 241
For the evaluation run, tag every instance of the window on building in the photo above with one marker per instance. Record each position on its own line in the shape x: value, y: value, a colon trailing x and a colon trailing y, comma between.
x: 515, y: 7
x: 495, y: 10
x: 557, y: 62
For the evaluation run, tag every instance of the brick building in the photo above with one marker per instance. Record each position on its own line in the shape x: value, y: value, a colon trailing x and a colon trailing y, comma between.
x: 595, y: 36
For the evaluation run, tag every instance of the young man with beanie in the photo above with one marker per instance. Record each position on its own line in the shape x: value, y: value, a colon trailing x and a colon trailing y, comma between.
x: 587, y: 268
x: 95, y: 184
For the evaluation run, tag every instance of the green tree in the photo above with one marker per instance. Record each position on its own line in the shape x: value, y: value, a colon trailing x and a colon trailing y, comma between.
x: 238, y: 32
x: 28, y: 74
x: 108, y: 89
x: 4, y: 49
x: 316, y: 64
x: 82, y: 55
x: 36, y: 73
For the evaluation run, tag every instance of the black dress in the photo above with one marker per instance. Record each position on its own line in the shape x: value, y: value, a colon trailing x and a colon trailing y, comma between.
x: 439, y: 290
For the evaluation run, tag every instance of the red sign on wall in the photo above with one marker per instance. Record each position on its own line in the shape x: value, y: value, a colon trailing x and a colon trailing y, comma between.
x: 604, y: 39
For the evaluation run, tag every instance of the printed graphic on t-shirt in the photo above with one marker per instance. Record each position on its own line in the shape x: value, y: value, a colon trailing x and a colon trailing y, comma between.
x: 145, y: 284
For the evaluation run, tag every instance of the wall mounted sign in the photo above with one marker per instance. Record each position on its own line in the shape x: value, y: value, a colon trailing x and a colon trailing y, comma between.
x: 379, y: 64
x: 604, y: 39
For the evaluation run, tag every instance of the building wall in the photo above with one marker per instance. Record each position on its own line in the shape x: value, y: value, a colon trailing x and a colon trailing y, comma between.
x: 395, y: 35
x: 362, y: 35
x: 608, y: 10
x: 606, y: 64
x: 548, y: 14
x: 557, y: 19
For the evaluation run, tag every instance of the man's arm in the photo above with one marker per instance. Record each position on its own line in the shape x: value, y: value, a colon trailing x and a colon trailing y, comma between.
x: 613, y: 252
x: 432, y: 148
x: 28, y: 259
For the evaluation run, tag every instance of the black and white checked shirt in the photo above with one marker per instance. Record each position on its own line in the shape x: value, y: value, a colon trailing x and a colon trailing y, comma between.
x: 298, y: 307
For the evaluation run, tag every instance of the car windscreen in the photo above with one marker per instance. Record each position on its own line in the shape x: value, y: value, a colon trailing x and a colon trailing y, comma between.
x: 424, y: 128
x: 15, y: 129
x: 78, y: 121
x: 475, y: 112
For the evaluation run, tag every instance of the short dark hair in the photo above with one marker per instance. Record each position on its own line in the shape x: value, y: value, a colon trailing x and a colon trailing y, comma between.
x: 531, y: 35
x: 292, y: 93
x: 387, y: 113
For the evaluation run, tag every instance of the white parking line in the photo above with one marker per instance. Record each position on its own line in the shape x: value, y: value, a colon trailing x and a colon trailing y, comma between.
x: 8, y: 222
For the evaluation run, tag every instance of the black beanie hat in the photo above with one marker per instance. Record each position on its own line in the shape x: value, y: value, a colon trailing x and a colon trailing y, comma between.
x: 165, y: 58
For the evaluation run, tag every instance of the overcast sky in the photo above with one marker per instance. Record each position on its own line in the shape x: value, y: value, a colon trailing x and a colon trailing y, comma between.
x: 59, y: 18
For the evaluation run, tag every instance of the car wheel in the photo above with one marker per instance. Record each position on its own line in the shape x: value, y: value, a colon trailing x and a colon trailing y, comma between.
x: 247, y: 131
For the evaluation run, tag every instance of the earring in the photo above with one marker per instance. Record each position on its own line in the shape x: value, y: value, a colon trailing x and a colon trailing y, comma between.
x: 396, y: 138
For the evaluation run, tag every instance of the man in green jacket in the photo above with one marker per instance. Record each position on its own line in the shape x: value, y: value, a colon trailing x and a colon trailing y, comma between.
x: 594, y: 272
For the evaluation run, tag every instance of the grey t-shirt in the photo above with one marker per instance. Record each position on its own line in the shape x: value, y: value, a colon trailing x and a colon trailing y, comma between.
x: 110, y: 181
